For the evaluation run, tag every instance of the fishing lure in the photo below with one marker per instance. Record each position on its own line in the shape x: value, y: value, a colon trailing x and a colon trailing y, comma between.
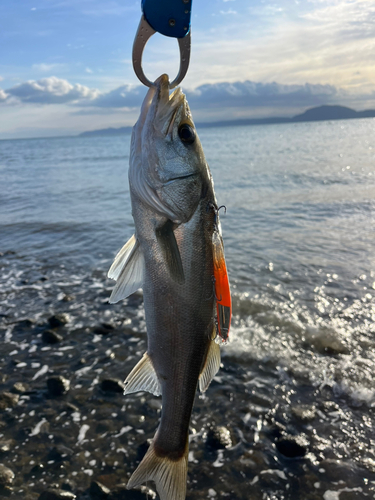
x: 221, y: 282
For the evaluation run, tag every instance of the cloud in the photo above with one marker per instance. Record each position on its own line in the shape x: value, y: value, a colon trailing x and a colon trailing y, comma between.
x: 51, y: 90
x: 1, y: 78
x: 126, y: 96
x: 47, y: 67
x: 3, y: 95
x: 256, y: 94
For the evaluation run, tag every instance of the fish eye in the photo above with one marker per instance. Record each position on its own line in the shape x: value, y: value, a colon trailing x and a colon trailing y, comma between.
x: 186, y: 133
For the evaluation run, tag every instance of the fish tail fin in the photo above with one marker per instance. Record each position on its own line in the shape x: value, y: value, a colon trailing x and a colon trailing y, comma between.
x: 169, y: 475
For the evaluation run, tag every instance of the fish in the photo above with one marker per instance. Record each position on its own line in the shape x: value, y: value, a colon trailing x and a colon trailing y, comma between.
x: 177, y: 257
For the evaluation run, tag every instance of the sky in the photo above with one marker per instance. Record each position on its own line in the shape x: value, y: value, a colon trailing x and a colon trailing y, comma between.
x: 65, y: 65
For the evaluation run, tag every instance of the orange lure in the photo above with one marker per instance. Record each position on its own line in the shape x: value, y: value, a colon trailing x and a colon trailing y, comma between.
x: 222, y: 289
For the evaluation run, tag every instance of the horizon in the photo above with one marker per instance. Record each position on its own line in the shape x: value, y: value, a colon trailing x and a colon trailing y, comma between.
x: 249, y: 61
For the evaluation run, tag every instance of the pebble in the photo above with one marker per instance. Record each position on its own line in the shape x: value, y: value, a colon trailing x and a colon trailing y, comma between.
x: 6, y: 445
x: 305, y: 413
x: 104, y: 329
x: 292, y: 446
x: 58, y: 385
x: 51, y: 337
x: 218, y: 438
x: 112, y: 385
x: 98, y: 491
x: 19, y: 388
x: 8, y: 400
x: 57, y: 495
x: 138, y: 493
x: 6, y: 476
x: 58, y: 320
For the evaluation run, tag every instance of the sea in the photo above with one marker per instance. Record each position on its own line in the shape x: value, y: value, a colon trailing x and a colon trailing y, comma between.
x: 291, y: 414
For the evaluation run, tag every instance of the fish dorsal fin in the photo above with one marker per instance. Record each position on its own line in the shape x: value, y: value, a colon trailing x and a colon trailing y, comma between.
x: 170, y: 251
x: 130, y: 273
x: 121, y: 258
x: 143, y: 378
x: 211, y: 366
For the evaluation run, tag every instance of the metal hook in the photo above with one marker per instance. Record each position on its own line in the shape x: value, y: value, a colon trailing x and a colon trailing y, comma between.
x: 143, y: 34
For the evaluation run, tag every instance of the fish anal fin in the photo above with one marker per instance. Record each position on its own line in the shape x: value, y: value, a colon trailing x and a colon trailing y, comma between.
x: 131, y: 277
x: 143, y: 378
x: 171, y: 252
x: 211, y: 366
x: 169, y: 475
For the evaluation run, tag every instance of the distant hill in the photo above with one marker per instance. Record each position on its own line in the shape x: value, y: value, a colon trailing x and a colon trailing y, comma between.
x: 320, y: 113
x: 106, y: 131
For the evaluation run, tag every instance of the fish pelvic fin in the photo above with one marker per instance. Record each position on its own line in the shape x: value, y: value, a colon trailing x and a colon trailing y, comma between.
x: 169, y: 475
x: 211, y: 366
x: 121, y: 258
x: 128, y: 269
x: 143, y: 378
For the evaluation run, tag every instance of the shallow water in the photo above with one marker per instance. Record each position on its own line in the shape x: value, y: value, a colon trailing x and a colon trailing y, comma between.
x: 296, y: 390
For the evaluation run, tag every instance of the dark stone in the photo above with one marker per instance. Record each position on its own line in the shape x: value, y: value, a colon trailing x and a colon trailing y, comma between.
x: 218, y: 438
x: 104, y: 329
x: 142, y: 448
x: 58, y: 385
x: 19, y: 388
x: 292, y: 446
x: 68, y: 485
x: 6, y: 476
x: 58, y: 320
x: 138, y: 493
x: 59, y: 453
x: 8, y: 400
x: 112, y: 385
x: 57, y: 495
x: 51, y: 337
x: 98, y: 491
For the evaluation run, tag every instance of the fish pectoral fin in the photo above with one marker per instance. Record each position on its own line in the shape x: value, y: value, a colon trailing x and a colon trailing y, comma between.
x: 211, y: 366
x: 170, y: 251
x: 169, y: 475
x: 143, y: 378
x: 131, y: 276
x: 122, y: 258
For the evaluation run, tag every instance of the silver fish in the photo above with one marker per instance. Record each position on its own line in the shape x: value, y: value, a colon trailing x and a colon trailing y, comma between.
x: 171, y: 258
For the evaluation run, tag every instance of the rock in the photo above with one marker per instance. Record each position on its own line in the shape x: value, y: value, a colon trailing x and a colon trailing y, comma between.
x: 6, y: 445
x: 58, y: 320
x: 8, y: 400
x: 19, y: 388
x: 98, y: 491
x: 218, y: 438
x: 6, y: 476
x: 305, y: 413
x: 104, y: 329
x: 57, y: 495
x: 112, y: 385
x: 59, y: 453
x: 68, y: 485
x: 138, y: 493
x: 58, y: 385
x: 292, y: 446
x: 51, y: 337
x: 67, y: 298
x: 71, y: 407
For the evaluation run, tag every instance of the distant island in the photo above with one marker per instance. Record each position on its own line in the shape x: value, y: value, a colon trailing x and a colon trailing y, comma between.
x: 320, y: 113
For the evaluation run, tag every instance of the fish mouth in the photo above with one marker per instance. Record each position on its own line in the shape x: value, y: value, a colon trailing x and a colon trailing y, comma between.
x: 167, y: 106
